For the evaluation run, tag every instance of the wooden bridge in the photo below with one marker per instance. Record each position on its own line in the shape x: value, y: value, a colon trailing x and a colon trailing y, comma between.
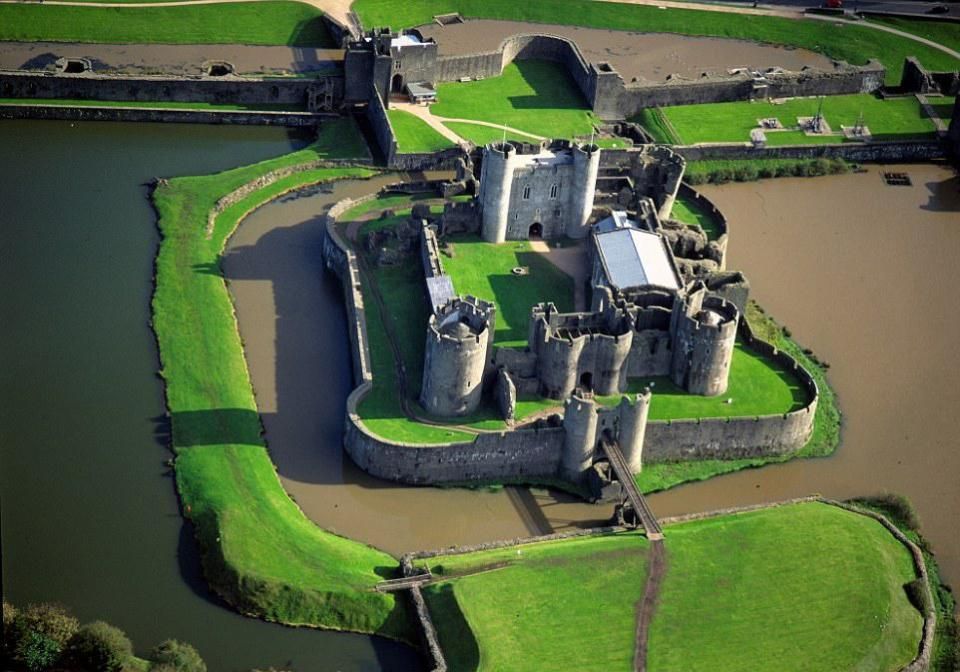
x: 630, y: 490
x: 403, y: 583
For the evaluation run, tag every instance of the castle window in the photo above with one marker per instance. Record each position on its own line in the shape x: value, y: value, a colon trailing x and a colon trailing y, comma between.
x: 526, y: 193
x: 556, y: 213
x: 554, y: 190
x: 396, y: 64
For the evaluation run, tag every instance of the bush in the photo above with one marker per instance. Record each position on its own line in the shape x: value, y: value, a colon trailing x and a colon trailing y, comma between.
x: 896, y: 507
x: 177, y: 656
x: 746, y: 173
x: 99, y: 647
x: 918, y: 596
x: 8, y: 643
x: 767, y: 171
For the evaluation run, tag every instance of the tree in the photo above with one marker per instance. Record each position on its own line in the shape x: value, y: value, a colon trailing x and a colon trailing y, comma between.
x: 176, y: 656
x: 99, y: 647
x: 39, y: 634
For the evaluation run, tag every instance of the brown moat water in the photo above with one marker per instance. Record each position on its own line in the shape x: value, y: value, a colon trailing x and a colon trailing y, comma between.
x: 645, y: 56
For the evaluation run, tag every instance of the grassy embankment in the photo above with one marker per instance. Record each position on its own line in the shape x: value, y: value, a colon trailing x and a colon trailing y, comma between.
x: 168, y: 105
x: 826, y: 428
x: 415, y: 135
x: 260, y: 553
x: 800, y: 587
x: 275, y: 22
x: 847, y: 41
x: 721, y: 171
x: 890, y: 119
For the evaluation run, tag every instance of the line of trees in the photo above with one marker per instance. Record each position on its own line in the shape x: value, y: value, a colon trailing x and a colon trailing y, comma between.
x: 42, y: 637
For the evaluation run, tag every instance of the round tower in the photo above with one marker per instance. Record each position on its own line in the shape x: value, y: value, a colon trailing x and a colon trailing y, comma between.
x: 633, y: 427
x: 455, y: 357
x: 496, y: 179
x: 704, y: 347
x: 580, y: 439
x: 586, y: 164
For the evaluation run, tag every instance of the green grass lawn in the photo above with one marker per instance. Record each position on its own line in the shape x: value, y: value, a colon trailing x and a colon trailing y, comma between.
x: 565, y: 605
x: 757, y: 385
x: 271, y: 22
x: 483, y: 135
x: 687, y: 211
x: 890, y: 119
x: 170, y: 105
x: 848, y: 41
x: 942, y: 32
x: 483, y: 270
x: 538, y: 97
x: 798, y: 588
x: 260, y: 553
x: 803, y: 587
x: 415, y: 135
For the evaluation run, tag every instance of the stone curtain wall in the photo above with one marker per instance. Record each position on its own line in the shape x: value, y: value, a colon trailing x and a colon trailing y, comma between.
x: 182, y: 116
x: 382, y: 129
x: 611, y: 98
x: 151, y: 88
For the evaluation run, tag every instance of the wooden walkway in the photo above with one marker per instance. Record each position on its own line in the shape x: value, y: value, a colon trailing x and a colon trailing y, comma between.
x: 403, y: 583
x: 631, y: 491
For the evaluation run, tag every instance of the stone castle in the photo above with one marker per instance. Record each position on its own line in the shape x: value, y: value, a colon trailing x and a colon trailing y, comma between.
x: 645, y: 319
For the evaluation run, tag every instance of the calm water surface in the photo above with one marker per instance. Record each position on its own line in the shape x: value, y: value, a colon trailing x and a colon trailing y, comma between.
x: 89, y: 512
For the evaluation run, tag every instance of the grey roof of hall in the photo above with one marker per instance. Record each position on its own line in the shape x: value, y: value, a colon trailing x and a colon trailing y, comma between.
x: 633, y: 257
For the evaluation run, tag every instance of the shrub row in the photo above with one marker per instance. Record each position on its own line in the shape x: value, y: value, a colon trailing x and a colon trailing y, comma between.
x: 721, y: 172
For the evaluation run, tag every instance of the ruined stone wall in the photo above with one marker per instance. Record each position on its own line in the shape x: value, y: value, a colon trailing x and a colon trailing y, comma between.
x: 152, y: 88
x: 382, y: 129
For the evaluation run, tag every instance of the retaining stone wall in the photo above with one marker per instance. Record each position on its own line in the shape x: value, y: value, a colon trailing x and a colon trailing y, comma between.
x: 890, y: 152
x: 428, y: 632
x: 90, y: 113
x: 382, y: 128
x: 150, y: 88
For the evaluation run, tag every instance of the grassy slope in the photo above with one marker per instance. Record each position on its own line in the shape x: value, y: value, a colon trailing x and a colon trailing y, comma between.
x: 757, y: 386
x: 823, y: 441
x: 415, y: 135
x: 941, y: 32
x: 847, y: 42
x: 259, y: 551
x: 482, y: 135
x: 538, y: 97
x: 804, y: 587
x: 731, y: 122
x: 483, y: 270
x: 542, y: 611
x: 270, y: 22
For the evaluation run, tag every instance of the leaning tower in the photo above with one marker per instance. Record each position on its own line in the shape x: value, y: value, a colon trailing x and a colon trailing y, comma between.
x: 496, y: 179
x: 705, y: 333
x: 459, y: 337
x: 586, y: 164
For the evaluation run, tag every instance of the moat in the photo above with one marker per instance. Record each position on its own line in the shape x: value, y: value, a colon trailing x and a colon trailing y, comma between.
x: 278, y: 283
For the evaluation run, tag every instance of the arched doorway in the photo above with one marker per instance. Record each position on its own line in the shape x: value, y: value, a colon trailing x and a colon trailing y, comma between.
x: 536, y: 231
x: 586, y: 381
x: 397, y: 85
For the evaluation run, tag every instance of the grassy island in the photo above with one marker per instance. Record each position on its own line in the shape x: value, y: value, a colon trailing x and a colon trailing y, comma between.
x: 260, y: 553
x: 823, y: 585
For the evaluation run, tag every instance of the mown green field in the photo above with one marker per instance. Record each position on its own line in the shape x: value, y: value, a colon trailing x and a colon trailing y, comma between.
x: 537, y: 97
x: 483, y: 270
x: 804, y: 587
x: 891, y: 119
x: 942, y: 32
x: 847, y: 41
x: 259, y: 552
x: 275, y: 22
x: 483, y: 135
x: 554, y: 606
x: 415, y: 135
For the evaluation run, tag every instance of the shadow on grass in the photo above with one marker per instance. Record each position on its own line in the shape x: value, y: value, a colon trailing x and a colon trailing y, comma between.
x: 456, y: 638
x: 311, y: 33
x: 553, y: 87
x: 216, y: 426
